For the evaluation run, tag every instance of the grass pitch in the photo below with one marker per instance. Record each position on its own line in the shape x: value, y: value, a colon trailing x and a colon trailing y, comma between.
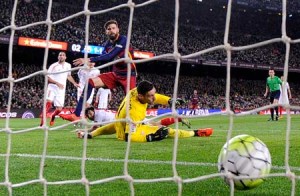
x: 63, y: 169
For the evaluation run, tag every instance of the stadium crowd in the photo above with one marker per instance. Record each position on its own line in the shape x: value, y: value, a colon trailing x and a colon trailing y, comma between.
x: 29, y: 93
x: 293, y: 6
x: 195, y: 33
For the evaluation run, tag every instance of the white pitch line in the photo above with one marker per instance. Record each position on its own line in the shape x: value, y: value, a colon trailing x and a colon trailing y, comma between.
x: 135, y: 161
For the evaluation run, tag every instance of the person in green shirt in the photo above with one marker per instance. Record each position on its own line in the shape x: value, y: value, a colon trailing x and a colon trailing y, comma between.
x: 273, y: 86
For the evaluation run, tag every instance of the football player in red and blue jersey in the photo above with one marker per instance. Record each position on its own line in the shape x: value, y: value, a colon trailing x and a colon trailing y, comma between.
x: 114, y: 50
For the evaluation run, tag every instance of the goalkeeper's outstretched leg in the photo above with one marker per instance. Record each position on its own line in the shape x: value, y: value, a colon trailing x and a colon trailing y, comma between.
x: 146, y: 133
x: 149, y: 133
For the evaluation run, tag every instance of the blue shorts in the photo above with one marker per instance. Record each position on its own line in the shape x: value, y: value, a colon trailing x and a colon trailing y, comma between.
x: 274, y: 95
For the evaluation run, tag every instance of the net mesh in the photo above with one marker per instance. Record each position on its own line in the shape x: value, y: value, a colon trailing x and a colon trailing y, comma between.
x: 175, y: 55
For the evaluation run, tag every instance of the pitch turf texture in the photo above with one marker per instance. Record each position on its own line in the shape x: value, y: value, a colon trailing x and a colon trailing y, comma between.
x: 195, y: 157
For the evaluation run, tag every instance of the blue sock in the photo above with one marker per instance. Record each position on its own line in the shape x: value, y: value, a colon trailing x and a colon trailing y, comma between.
x: 80, y: 102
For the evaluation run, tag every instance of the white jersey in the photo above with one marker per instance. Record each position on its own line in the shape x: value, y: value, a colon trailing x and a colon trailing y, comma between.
x: 104, y: 115
x: 103, y: 95
x: 54, y: 74
x: 284, y: 98
x: 54, y: 93
x: 84, y: 75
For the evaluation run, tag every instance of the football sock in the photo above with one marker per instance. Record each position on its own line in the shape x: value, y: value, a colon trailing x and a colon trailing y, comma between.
x: 280, y: 110
x: 48, y: 106
x: 276, y: 110
x: 54, y: 114
x: 272, y: 113
x: 80, y: 102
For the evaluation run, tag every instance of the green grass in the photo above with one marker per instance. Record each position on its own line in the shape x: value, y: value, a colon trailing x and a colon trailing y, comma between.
x: 195, y: 156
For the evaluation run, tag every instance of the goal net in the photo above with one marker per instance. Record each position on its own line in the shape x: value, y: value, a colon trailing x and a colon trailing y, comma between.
x: 51, y: 160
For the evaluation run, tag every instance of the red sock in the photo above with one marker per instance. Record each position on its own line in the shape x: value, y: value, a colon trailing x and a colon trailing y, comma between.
x: 280, y: 110
x: 168, y: 121
x: 48, y: 106
x: 56, y: 112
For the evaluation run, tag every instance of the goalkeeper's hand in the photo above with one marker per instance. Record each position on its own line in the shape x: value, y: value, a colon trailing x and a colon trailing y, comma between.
x: 178, y: 101
x: 160, y: 134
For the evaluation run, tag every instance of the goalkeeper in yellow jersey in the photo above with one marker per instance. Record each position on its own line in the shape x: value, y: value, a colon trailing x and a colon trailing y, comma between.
x: 139, y: 98
x: 102, y: 116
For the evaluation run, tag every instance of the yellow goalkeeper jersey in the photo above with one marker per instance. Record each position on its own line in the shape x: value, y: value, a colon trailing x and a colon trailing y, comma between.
x: 137, y: 111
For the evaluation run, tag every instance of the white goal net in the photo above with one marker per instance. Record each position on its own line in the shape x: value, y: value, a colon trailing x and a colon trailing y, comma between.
x: 36, y: 161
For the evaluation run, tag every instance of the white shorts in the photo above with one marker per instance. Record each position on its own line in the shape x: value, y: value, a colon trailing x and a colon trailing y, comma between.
x: 103, y: 104
x: 56, y: 95
x: 284, y: 100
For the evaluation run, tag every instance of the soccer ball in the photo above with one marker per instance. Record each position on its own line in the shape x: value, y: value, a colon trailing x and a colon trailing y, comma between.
x: 245, y: 156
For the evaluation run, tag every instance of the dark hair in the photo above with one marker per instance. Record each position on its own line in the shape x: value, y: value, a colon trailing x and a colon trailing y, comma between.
x: 144, y: 87
x: 271, y: 68
x: 89, y: 109
x: 109, y: 23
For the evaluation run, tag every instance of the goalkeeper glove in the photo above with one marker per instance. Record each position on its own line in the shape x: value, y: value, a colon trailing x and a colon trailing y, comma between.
x: 178, y: 101
x: 160, y: 134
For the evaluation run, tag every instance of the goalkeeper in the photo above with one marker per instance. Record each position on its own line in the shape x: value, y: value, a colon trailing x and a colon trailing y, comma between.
x: 139, y: 98
x: 102, y: 116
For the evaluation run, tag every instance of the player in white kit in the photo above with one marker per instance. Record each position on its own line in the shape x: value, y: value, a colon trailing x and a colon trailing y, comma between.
x: 285, y: 95
x: 84, y: 74
x: 100, y: 115
x: 58, y: 74
x: 103, y: 97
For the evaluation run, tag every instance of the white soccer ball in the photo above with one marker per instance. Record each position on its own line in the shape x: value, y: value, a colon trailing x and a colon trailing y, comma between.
x: 245, y: 156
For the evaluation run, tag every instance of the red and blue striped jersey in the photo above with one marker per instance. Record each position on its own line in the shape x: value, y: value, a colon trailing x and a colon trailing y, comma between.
x: 113, y: 51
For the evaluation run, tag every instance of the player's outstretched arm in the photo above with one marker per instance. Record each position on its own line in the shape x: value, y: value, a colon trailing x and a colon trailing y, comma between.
x: 71, y: 79
x: 50, y: 80
x: 178, y: 101
x: 266, y: 92
x: 81, y: 61
x: 289, y: 93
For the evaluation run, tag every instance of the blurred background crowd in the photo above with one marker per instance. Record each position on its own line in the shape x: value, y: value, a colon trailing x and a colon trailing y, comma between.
x: 245, y: 94
x: 201, y: 26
